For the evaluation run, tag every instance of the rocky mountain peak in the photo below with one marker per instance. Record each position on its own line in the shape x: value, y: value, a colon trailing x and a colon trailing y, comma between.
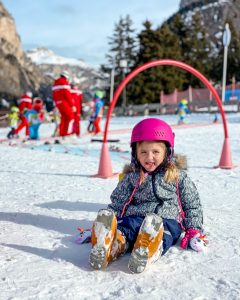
x: 215, y: 14
x: 17, y: 72
x: 52, y: 65
x: 8, y: 34
x: 185, y: 3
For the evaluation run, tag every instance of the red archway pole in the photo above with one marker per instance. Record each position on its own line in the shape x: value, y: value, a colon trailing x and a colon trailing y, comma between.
x: 225, y: 160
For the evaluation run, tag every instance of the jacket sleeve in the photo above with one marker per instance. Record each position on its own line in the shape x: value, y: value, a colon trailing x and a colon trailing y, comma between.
x: 68, y: 97
x: 191, y: 204
x: 67, y: 92
x: 121, y: 194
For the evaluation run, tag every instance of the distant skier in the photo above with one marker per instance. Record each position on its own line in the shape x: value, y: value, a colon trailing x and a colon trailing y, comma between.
x: 24, y: 104
x: 12, y: 118
x: 64, y: 103
x: 215, y: 119
x: 98, y: 112
x: 182, y: 111
x: 77, y: 96
x: 56, y: 120
x: 35, y: 118
x: 91, y: 118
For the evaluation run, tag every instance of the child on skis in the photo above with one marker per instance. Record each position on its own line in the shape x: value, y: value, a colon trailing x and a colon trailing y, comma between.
x: 56, y: 120
x: 98, y: 112
x: 12, y: 118
x: 35, y: 118
x: 151, y: 205
x: 182, y: 111
x: 90, y: 127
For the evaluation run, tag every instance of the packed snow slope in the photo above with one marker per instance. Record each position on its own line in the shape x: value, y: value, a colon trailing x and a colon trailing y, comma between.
x: 45, y: 194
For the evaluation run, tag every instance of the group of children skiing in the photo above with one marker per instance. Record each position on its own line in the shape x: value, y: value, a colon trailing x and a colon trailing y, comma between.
x: 29, y: 114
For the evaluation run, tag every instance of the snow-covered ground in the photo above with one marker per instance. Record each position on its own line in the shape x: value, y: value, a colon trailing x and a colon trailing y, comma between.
x: 46, y: 193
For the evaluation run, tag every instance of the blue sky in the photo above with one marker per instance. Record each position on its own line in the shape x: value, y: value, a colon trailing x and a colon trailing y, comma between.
x: 80, y: 29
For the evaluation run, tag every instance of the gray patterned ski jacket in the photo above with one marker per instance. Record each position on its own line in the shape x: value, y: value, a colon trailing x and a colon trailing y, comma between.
x: 158, y: 196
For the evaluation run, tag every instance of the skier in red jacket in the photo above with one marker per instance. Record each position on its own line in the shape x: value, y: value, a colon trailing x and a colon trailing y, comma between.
x: 24, y: 104
x: 77, y: 96
x: 64, y: 102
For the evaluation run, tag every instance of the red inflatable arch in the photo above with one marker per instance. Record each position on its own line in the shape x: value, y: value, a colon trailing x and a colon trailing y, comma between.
x: 105, y: 168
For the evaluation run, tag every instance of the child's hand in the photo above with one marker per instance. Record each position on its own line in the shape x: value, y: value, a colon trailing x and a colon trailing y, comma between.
x: 198, y: 243
x: 194, y: 239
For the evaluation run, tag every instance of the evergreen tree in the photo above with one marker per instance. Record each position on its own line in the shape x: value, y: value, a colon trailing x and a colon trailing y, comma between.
x: 122, y: 47
x: 155, y: 45
x: 169, y: 76
x: 178, y: 27
x: 196, y: 49
x: 142, y: 88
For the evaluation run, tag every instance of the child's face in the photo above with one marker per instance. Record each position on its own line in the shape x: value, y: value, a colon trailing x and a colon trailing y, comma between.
x: 151, y: 154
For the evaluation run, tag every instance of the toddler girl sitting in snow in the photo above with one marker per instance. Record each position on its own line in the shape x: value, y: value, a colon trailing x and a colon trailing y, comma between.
x: 150, y: 206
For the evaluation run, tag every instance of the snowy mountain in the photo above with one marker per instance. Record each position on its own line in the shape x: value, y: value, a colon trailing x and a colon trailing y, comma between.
x: 17, y: 73
x: 45, y: 56
x: 52, y: 65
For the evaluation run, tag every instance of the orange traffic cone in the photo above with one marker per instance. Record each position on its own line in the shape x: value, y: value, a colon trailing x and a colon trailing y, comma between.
x: 105, y: 166
x: 226, y: 157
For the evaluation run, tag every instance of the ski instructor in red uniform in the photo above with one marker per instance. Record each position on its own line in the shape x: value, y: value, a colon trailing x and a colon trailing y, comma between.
x: 24, y: 104
x: 77, y: 96
x: 64, y: 102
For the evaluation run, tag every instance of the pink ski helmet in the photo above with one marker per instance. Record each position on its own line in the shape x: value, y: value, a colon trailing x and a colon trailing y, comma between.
x: 153, y: 129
